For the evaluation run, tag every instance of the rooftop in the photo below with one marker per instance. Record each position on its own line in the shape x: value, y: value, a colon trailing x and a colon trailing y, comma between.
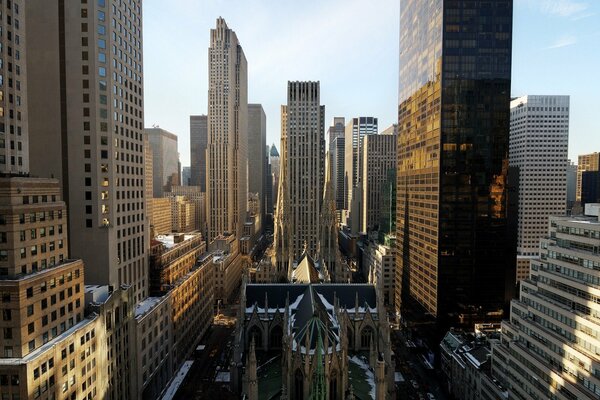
x: 143, y: 307
x: 169, y: 240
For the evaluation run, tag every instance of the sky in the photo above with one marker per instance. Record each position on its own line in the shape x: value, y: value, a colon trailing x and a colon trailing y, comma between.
x: 351, y: 47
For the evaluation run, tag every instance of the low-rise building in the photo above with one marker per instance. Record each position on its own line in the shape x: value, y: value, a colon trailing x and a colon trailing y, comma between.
x: 173, y: 257
x: 379, y: 268
x: 195, y: 195
x: 465, y: 360
x: 183, y: 214
x: 227, y: 264
x: 153, y: 346
x: 161, y: 221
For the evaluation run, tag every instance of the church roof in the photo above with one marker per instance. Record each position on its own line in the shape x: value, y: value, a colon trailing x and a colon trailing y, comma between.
x: 311, y: 306
x: 306, y: 271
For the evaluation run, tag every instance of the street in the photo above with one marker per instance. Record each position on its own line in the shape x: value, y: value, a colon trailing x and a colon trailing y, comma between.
x: 419, y: 380
x: 214, y: 358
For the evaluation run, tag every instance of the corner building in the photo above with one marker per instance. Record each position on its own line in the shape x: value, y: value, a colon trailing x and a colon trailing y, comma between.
x: 87, y: 84
x: 456, y: 247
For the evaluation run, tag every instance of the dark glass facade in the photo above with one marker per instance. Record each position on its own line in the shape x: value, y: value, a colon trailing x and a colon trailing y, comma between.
x: 455, y: 239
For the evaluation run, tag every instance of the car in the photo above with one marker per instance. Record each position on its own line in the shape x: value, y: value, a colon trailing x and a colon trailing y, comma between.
x: 414, y: 384
x: 430, y: 396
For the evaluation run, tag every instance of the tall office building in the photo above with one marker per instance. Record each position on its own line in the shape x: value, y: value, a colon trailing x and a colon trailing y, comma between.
x: 14, y: 142
x: 227, y: 146
x: 590, y: 187
x: 165, y: 160
x: 257, y: 142
x: 456, y: 244
x: 337, y: 151
x: 337, y: 129
x: 186, y: 176
x: 586, y: 162
x: 378, y: 158
x: 85, y: 74
x: 549, y: 347
x: 355, y: 131
x: 571, y: 185
x: 198, y: 140
x: 275, y: 162
x: 302, y: 180
x: 539, y: 141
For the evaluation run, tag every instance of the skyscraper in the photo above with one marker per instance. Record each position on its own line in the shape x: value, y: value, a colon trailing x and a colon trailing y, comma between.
x: 227, y: 151
x: 337, y: 129
x: 257, y: 142
x: 355, y: 131
x: 303, y: 146
x: 456, y: 252
x: 14, y: 142
x: 549, y: 346
x: 85, y: 73
x: 275, y: 162
x: 337, y: 151
x: 539, y: 141
x: 571, y: 185
x: 198, y: 140
x: 586, y: 162
x: 165, y: 160
x: 378, y: 158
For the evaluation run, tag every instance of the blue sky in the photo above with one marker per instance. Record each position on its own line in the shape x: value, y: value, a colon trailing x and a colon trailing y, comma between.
x: 351, y: 47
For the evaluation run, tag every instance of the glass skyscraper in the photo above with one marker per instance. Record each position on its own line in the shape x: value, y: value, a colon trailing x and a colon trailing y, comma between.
x: 456, y: 242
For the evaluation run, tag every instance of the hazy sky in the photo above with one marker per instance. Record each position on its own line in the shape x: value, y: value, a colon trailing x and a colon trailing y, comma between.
x: 351, y: 47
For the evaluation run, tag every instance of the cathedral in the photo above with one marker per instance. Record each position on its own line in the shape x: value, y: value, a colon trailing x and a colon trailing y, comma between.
x: 300, y: 341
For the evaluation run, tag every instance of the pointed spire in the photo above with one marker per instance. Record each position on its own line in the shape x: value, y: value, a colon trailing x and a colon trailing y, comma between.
x: 351, y: 394
x: 252, y: 373
x: 380, y: 386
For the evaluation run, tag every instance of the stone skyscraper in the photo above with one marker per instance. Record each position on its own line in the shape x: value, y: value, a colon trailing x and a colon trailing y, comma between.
x: 257, y: 146
x: 14, y: 142
x: 303, y: 159
x: 539, y: 144
x: 227, y: 147
x: 85, y: 74
x: 456, y: 244
x: 198, y: 140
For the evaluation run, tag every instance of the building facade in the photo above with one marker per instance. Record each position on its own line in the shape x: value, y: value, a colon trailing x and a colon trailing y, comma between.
x: 14, y: 131
x: 586, y: 162
x: 227, y: 265
x: 454, y: 237
x: 539, y: 141
x: 198, y: 198
x: 378, y: 158
x: 355, y: 131
x: 275, y: 163
x: 337, y: 151
x: 571, y: 186
x: 85, y: 72
x: 198, y: 141
x: 257, y: 142
x: 465, y: 360
x: 380, y: 260
x: 549, y: 347
x: 303, y: 149
x: 165, y: 160
x: 186, y: 176
x: 162, y: 217
x: 227, y: 146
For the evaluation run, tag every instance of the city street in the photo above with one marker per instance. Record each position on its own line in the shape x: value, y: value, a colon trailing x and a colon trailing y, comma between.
x: 214, y: 358
x: 419, y: 380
